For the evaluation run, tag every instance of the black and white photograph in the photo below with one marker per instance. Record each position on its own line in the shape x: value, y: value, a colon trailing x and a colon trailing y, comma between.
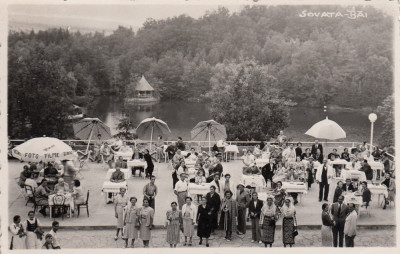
x: 240, y: 124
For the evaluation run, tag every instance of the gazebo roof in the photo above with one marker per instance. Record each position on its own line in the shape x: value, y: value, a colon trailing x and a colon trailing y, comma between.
x: 143, y: 85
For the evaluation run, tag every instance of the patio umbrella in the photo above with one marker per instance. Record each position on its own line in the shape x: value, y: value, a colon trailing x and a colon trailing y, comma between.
x: 87, y: 128
x: 43, y: 149
x: 152, y: 127
x: 326, y: 129
x: 208, y: 130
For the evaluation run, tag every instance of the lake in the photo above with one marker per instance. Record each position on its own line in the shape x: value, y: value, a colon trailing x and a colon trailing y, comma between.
x: 181, y: 117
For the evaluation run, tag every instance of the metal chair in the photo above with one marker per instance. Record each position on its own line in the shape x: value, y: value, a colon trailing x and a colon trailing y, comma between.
x: 86, y: 204
x: 30, y: 195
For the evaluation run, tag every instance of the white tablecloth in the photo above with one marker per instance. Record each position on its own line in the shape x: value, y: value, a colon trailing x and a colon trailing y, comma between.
x: 190, y: 163
x: 378, y: 190
x: 127, y: 173
x: 125, y: 155
x: 353, y: 174
x: 352, y: 198
x: 231, y: 149
x: 198, y: 189
x: 110, y: 187
x: 253, y: 180
x: 295, y: 187
x: 261, y: 162
x: 137, y: 163
x: 338, y: 162
x: 376, y: 165
x: 192, y: 173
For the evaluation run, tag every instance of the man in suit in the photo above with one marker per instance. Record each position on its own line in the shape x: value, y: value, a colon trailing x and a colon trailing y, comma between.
x: 324, y: 177
x: 268, y: 171
x: 339, y: 213
x: 255, y: 206
x: 348, y: 186
x: 366, y: 168
x: 315, y: 147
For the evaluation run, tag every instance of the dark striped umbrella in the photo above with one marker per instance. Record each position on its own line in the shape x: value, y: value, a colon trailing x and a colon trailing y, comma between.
x: 88, y: 128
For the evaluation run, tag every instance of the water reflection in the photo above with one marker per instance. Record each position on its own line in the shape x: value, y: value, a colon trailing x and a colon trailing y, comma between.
x: 183, y: 116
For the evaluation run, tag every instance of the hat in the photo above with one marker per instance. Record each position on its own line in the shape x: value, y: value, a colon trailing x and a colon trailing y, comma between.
x: 270, y: 197
x: 240, y: 184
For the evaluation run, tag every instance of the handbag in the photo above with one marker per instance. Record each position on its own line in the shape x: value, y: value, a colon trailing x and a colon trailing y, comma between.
x: 295, y: 232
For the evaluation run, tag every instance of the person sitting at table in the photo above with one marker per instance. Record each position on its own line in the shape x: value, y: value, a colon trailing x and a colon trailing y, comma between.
x: 192, y: 155
x: 177, y: 159
x: 345, y: 155
x: 199, y: 161
x: 318, y: 156
x: 116, y: 177
x: 289, y: 154
x: 257, y: 151
x: 366, y: 168
x: 307, y: 154
x: 120, y: 163
x: 107, y: 154
x: 390, y: 184
x: 299, y: 150
x: 199, y: 179
x: 96, y: 149
x: 61, y: 186
x: 366, y: 194
x: 315, y: 147
x: 348, y: 187
x: 116, y: 146
x: 368, y: 156
x: 338, y: 191
x: 180, y: 145
x: 281, y: 139
x: 171, y: 150
x: 376, y: 153
x: 291, y: 175
x: 77, y: 194
x: 228, y: 185
x: 124, y: 148
x: 31, y: 181
x: 248, y: 159
x: 213, y: 159
x: 42, y: 196
x: 333, y: 155
x: 25, y: 174
x: 50, y: 171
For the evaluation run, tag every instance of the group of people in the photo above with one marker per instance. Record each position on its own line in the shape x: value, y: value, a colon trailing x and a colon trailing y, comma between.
x: 29, y: 234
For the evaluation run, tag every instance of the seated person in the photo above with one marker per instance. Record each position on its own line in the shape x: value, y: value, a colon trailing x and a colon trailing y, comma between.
x: 58, y: 165
x: 199, y: 179
x: 307, y: 154
x: 257, y: 152
x: 107, y: 153
x: 333, y: 155
x: 77, y: 194
x: 368, y: 156
x: 248, y: 159
x: 25, y: 174
x: 366, y: 168
x: 171, y: 150
x: 42, y: 196
x: 213, y: 159
x: 61, y: 186
x: 253, y: 170
x: 31, y: 181
x: 218, y: 169
x: 116, y: 177
x: 338, y: 191
x: 199, y: 161
x: 192, y: 155
x: 50, y: 171
x: 291, y: 175
x: 207, y: 167
x: 366, y: 194
x: 120, y: 163
x: 117, y: 144
x: 125, y: 148
x: 97, y: 148
x: 345, y: 155
x: 348, y: 187
x: 376, y: 153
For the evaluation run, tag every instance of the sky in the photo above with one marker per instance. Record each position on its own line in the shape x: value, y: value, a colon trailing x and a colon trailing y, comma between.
x: 90, y: 17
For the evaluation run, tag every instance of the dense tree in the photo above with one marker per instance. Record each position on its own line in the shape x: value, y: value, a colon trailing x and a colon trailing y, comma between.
x: 386, y: 111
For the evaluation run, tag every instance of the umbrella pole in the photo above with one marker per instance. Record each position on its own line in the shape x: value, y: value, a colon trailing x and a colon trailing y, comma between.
x: 209, y: 140
x: 151, y: 135
x: 90, y: 138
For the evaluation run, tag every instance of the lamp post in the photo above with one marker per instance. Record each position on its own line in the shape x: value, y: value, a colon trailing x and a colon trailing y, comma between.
x: 372, y: 118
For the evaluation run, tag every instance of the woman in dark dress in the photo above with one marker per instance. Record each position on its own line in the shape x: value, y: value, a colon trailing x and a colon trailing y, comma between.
x: 345, y: 155
x: 288, y: 223
x: 150, y: 165
x: 268, y: 218
x: 326, y: 228
x: 214, y: 203
x: 203, y: 219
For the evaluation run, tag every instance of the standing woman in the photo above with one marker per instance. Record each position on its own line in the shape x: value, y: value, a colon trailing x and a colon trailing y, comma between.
x: 34, y: 232
x: 173, y: 224
x: 326, y: 228
x: 288, y: 227
x: 228, y: 215
x: 150, y: 166
x: 189, y: 215
x: 120, y: 202
x: 146, y: 218
x: 131, y: 221
x: 268, y: 218
x: 214, y: 203
x: 203, y: 219
x: 18, y: 234
x: 255, y: 211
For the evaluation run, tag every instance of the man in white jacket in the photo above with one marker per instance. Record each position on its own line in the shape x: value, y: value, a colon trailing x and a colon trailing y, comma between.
x: 350, y: 226
x: 324, y: 177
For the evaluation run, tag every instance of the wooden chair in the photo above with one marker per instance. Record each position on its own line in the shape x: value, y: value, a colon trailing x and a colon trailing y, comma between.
x: 59, y: 204
x: 86, y: 204
x: 30, y: 195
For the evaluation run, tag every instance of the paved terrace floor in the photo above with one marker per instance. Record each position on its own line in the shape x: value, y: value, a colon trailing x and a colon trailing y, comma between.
x: 101, y: 214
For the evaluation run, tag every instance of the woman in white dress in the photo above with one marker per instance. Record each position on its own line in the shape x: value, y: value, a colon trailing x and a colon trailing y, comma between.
x: 189, y: 212
x: 120, y: 202
x: 18, y: 234
x: 131, y: 222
